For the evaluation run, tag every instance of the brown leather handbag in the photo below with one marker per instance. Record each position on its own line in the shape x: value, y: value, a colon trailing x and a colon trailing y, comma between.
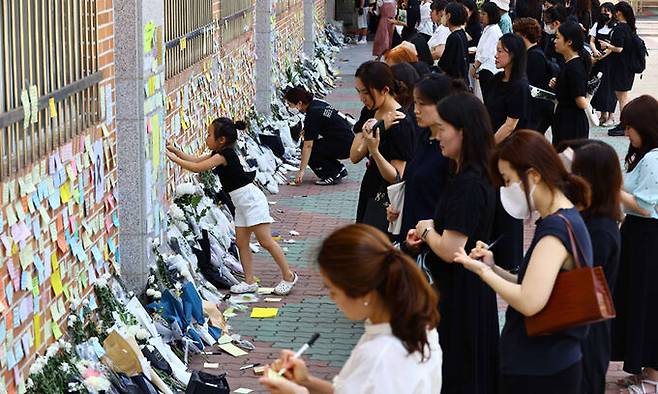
x: 580, y: 296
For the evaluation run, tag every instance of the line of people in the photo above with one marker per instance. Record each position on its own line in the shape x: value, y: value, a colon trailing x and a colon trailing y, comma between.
x: 474, y: 170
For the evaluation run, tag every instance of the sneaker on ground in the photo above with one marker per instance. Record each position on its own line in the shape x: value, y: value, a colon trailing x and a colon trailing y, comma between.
x: 284, y: 287
x: 362, y: 41
x: 608, y: 123
x: 616, y: 132
x: 244, y: 287
x: 616, y: 128
x: 327, y: 181
x: 342, y: 173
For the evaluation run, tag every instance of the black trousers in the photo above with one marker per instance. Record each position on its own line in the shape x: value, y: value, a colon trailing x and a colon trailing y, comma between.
x: 567, y: 381
x: 541, y: 115
x: 596, y: 357
x: 325, y: 157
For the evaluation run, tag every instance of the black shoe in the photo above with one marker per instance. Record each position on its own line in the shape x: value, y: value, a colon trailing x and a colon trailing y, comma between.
x: 327, y: 181
x: 617, y: 131
x: 342, y: 173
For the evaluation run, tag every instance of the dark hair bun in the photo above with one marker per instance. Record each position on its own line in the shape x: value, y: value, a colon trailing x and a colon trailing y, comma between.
x: 241, y: 125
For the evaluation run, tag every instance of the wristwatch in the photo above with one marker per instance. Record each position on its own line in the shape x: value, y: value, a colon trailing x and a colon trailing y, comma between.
x: 425, y: 232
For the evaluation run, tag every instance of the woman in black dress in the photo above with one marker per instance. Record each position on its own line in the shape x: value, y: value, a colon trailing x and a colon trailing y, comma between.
x: 389, y: 147
x: 604, y: 100
x: 507, y: 103
x: 598, y: 163
x: 570, y: 121
x: 425, y: 174
x: 538, y: 71
x: 534, y: 179
x: 468, y: 331
x: 454, y: 60
x: 621, y: 44
x: 634, y: 339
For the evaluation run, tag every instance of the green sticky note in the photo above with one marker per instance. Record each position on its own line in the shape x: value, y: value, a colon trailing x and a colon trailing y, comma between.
x: 35, y: 286
x: 57, y: 333
x: 65, y: 289
x: 149, y: 33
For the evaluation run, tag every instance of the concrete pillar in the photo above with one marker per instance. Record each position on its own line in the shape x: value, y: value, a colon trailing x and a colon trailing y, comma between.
x: 263, y: 44
x: 309, y: 36
x: 130, y: 17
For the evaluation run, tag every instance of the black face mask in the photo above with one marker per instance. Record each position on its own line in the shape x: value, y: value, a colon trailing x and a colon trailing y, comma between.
x: 605, y: 18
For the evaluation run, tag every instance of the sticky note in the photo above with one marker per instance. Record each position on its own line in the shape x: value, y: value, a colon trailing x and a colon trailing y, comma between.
x: 260, y: 313
x: 265, y: 290
x: 210, y: 365
x: 243, y: 390
x: 25, y: 102
x: 273, y: 299
x: 57, y: 333
x: 56, y: 282
x: 232, y: 350
x: 229, y: 312
x: 183, y: 43
x: 37, y: 330
x: 53, y: 108
x: 224, y: 339
x: 34, y: 103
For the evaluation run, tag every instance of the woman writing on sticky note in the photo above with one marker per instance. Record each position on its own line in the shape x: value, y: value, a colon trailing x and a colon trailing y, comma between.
x: 252, y: 213
x: 399, y: 351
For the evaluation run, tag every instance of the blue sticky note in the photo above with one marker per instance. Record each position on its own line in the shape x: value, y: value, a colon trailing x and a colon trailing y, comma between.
x: 37, y: 307
x: 26, y: 281
x: 98, y: 256
x: 18, y: 351
x: 35, y: 200
x: 36, y: 227
x: 92, y: 302
x: 3, y: 330
x: 9, y: 292
x: 38, y: 264
x: 11, y: 359
x: 110, y: 244
x: 115, y: 219
x: 17, y: 317
x: 2, y: 220
x: 54, y: 200
x: 43, y: 190
x: 100, y: 352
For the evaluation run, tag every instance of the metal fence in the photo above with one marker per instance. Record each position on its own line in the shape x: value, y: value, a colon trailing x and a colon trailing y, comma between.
x: 188, y: 33
x: 236, y: 17
x: 49, y: 77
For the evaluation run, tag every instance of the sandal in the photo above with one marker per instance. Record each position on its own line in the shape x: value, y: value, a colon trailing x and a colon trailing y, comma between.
x: 631, y: 380
x: 652, y: 383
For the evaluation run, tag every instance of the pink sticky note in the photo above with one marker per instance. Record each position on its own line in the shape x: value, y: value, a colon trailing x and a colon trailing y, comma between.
x: 66, y: 152
x: 72, y: 222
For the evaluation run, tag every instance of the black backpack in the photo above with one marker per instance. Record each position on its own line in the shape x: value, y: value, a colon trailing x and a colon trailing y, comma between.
x: 639, y: 54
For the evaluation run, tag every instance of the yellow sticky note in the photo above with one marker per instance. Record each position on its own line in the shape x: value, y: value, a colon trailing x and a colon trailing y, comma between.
x: 37, y: 330
x: 183, y: 43
x: 53, y: 262
x: 53, y: 108
x: 65, y: 193
x: 232, y: 350
x: 56, y: 282
x: 261, y: 313
x: 57, y: 333
x: 229, y: 312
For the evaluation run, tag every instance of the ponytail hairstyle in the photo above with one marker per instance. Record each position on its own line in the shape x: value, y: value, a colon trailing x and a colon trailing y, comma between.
x: 526, y: 149
x: 359, y: 259
x: 627, y: 11
x: 571, y: 31
x: 297, y: 94
x: 406, y: 77
x: 225, y: 127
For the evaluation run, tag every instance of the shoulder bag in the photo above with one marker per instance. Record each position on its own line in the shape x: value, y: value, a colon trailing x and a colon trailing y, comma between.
x: 580, y: 296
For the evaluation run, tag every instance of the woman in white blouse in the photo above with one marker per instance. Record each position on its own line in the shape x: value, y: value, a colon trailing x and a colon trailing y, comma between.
x: 484, y: 67
x: 371, y: 280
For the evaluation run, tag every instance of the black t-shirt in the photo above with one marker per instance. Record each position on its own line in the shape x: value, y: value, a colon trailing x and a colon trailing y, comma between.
x: 606, y: 244
x: 323, y: 121
x: 467, y: 206
x: 548, y: 354
x: 396, y: 143
x: 508, y: 100
x: 454, y: 60
x: 537, y: 70
x: 571, y: 83
x: 622, y: 37
x: 232, y: 175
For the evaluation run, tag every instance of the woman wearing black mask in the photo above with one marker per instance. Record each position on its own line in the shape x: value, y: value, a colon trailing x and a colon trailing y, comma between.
x: 604, y: 99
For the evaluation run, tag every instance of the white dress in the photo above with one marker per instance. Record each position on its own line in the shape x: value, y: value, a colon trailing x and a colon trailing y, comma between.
x: 379, y: 364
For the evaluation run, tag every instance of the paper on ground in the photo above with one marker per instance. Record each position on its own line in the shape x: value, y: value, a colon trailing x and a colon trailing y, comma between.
x: 232, y: 350
x: 261, y: 313
x: 396, y: 197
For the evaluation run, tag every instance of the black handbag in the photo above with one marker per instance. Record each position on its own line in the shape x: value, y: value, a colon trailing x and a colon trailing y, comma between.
x: 375, y: 214
x: 205, y: 383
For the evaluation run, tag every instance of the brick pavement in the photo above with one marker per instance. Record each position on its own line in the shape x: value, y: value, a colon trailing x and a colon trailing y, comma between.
x: 314, y: 211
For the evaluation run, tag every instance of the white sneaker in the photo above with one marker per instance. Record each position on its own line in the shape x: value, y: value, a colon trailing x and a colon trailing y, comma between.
x: 284, y: 287
x: 244, y: 287
x: 362, y: 41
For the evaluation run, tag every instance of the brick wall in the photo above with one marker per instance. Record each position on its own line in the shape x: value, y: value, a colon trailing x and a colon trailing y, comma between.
x: 88, y: 223
x: 288, y: 32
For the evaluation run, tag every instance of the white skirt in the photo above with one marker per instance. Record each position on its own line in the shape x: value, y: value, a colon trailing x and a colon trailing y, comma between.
x: 251, y: 207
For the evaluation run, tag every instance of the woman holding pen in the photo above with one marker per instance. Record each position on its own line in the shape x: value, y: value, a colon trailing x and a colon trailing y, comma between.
x: 399, y: 351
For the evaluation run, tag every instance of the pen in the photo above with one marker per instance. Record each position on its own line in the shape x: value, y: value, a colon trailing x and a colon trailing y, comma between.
x: 494, y: 242
x: 249, y: 366
x: 301, y: 350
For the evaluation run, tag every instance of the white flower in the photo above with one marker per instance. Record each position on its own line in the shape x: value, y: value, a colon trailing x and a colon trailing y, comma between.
x: 157, y: 295
x: 51, y: 351
x: 178, y: 286
x: 142, y: 334
x: 65, y: 367
x: 151, y: 279
x: 156, y: 242
x: 185, y: 188
x: 30, y: 383
x: 176, y: 213
x: 150, y: 292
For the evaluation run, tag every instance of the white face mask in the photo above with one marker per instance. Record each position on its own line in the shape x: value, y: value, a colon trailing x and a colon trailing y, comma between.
x: 513, y: 199
x: 549, y: 29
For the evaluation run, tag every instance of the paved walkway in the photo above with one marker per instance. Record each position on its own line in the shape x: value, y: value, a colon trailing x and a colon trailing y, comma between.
x: 314, y: 211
